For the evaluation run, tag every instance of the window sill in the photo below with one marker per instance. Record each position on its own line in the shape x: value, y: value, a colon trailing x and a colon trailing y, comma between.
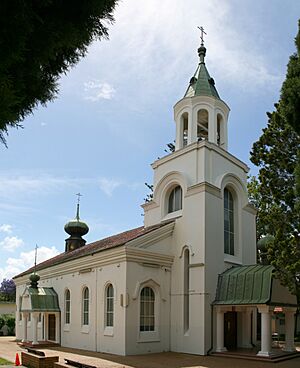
x: 148, y: 337
x: 67, y: 327
x: 172, y: 215
x: 108, y: 331
x: 232, y: 259
x: 85, y: 329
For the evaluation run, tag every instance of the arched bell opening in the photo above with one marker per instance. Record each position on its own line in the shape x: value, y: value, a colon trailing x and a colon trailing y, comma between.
x: 202, y: 125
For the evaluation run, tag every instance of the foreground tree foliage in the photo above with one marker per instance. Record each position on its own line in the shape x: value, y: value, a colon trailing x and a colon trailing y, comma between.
x: 40, y: 40
x: 275, y: 192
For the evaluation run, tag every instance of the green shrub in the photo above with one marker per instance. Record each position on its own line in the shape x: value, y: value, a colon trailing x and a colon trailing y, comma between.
x: 10, y: 321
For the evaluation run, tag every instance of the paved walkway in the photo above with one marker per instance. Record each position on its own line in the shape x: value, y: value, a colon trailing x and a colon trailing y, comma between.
x: 8, y: 349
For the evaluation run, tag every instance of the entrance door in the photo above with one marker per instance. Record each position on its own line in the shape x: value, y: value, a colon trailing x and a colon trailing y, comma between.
x: 230, y: 330
x: 51, y: 327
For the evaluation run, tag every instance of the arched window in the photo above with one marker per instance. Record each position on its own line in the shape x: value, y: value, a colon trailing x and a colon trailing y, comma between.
x: 220, y: 130
x: 109, y: 306
x: 202, y: 125
x: 186, y: 287
x: 185, y: 127
x: 67, y: 306
x: 147, y: 303
x: 175, y: 199
x: 228, y: 222
x: 85, y: 305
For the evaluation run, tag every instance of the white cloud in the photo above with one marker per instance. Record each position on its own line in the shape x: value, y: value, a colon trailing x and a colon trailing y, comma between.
x: 11, y: 243
x: 95, y: 91
x: 15, y: 266
x: 5, y: 228
x: 109, y: 185
x: 14, y: 186
x: 155, y: 50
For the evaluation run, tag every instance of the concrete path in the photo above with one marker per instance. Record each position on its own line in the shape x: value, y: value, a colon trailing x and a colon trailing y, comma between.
x: 8, y: 349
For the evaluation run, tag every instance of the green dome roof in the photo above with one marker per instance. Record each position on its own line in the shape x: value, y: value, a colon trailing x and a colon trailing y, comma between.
x: 34, y: 279
x: 76, y: 227
x: 201, y: 84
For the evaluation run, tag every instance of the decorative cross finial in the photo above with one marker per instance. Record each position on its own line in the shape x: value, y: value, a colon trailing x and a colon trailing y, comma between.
x: 201, y: 36
x: 78, y: 197
x: 78, y: 201
x: 35, y: 257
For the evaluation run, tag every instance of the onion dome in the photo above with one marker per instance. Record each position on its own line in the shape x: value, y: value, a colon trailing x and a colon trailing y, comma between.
x: 76, y: 227
x: 34, y: 279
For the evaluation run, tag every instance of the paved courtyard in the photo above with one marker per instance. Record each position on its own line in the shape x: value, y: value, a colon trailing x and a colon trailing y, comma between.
x: 9, y: 348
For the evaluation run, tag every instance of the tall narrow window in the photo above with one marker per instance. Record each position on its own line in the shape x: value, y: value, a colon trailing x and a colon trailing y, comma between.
x: 147, y: 304
x: 175, y: 200
x: 220, y: 130
x: 109, y: 306
x: 228, y: 222
x: 185, y: 127
x: 186, y: 287
x: 67, y: 306
x: 85, y: 309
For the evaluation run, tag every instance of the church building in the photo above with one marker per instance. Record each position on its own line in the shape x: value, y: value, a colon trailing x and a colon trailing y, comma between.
x: 185, y: 281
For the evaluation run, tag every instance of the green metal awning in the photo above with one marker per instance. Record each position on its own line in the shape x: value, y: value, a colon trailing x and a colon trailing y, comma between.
x: 245, y: 285
x: 43, y: 299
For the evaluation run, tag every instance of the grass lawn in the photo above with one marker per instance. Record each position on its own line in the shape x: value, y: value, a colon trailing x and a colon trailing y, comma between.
x: 5, y: 362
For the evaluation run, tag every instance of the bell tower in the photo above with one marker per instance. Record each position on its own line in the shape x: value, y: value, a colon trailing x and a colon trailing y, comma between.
x: 201, y: 114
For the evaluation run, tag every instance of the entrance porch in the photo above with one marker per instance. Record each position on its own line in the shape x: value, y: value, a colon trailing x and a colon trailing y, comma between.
x: 243, y: 293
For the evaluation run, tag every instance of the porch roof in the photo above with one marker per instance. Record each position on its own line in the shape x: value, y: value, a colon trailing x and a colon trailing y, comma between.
x: 245, y: 285
x: 43, y: 299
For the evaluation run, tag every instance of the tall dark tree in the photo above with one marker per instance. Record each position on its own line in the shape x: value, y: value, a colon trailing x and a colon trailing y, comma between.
x: 290, y: 91
x: 39, y: 41
x: 277, y: 155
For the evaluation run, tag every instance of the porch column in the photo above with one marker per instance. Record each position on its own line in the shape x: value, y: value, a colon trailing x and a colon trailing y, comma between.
x: 24, y: 319
x: 266, y: 337
x: 246, y: 329
x: 35, y: 316
x: 220, y: 331
x: 289, y: 329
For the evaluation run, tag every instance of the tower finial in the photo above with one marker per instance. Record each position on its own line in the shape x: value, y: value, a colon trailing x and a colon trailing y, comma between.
x: 76, y: 229
x: 35, y: 257
x: 34, y: 277
x: 201, y: 36
x: 202, y: 49
x: 78, y: 203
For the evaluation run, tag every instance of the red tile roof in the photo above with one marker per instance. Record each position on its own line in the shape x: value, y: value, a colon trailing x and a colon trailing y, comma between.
x: 95, y: 247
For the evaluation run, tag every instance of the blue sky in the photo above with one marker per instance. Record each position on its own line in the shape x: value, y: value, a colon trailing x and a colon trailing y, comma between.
x: 114, y: 116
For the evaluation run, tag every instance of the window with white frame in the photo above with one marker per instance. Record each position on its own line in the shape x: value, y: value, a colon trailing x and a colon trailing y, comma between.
x: 186, y: 292
x: 109, y: 309
x: 85, y: 306
x: 228, y: 222
x: 147, y: 309
x: 175, y: 199
x: 67, y: 306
